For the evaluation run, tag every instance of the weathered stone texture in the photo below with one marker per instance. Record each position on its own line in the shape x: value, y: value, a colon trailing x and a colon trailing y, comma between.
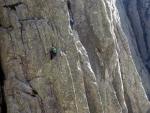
x: 93, y: 71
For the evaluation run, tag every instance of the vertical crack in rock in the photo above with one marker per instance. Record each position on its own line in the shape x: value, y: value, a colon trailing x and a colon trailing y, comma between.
x: 90, y: 99
x: 128, y: 103
x: 35, y: 94
x: 70, y: 14
x: 3, y: 106
x: 21, y: 36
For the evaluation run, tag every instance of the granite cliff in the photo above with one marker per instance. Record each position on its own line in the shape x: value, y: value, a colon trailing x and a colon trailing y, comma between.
x: 100, y: 63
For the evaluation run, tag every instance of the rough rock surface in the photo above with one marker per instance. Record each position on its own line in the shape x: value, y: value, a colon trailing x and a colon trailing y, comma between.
x: 138, y: 29
x: 93, y: 71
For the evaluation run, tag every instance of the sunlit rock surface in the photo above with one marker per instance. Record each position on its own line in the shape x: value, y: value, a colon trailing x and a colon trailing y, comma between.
x: 98, y: 63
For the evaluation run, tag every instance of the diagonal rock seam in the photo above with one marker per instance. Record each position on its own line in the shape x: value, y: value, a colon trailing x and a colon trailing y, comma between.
x: 13, y: 6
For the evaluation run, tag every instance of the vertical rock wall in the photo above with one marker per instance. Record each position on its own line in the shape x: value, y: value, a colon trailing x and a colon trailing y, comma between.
x: 135, y: 19
x: 93, y: 71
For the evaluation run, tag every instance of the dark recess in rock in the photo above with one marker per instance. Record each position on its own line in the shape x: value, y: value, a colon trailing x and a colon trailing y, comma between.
x: 2, y: 95
x: 70, y: 14
x: 13, y: 6
x: 6, y: 29
x: 34, y: 93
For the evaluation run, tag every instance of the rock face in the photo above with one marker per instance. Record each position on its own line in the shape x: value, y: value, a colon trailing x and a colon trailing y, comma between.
x: 96, y: 68
x: 138, y: 14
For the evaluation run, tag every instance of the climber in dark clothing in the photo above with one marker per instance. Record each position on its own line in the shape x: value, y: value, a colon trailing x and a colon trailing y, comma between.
x: 53, y: 52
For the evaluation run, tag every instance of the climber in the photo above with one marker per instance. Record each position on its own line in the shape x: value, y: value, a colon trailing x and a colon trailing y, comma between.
x: 53, y: 52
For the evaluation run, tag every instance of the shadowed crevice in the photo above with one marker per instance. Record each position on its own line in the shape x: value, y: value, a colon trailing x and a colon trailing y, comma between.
x: 13, y: 6
x: 3, y: 106
x: 69, y: 5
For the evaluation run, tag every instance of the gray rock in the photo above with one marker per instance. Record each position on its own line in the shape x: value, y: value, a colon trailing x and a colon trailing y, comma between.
x: 96, y: 68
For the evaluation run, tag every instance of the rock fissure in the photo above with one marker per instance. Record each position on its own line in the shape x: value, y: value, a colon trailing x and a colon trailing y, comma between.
x: 6, y: 29
x: 13, y: 6
x: 32, y: 19
x: 22, y: 39
x: 71, y: 18
x: 3, y: 106
x: 35, y: 94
